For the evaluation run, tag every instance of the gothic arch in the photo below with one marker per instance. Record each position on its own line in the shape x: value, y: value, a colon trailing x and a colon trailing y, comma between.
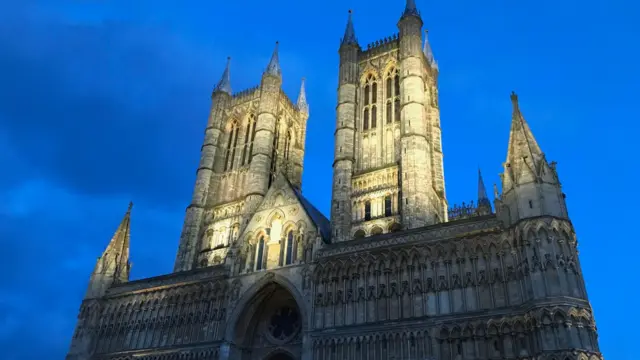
x: 255, y: 289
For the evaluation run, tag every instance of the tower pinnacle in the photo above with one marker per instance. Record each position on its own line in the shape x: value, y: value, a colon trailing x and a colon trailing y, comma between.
x: 274, y: 64
x: 522, y: 144
x: 411, y: 9
x: 349, y: 37
x: 302, y: 99
x: 483, y: 200
x: 428, y: 52
x: 113, y: 265
x: 224, y: 84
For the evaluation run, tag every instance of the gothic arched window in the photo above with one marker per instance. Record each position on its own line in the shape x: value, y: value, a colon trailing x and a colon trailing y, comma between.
x: 289, y: 256
x: 365, y: 120
x: 260, y: 255
x: 396, y: 106
x: 387, y: 206
x: 396, y: 82
x: 389, y: 109
x: 287, y: 144
x: 366, y: 94
x: 232, y: 142
x: 389, y: 88
x: 374, y: 117
x: 374, y: 93
x: 249, y: 135
x: 274, y: 152
x: 367, y: 210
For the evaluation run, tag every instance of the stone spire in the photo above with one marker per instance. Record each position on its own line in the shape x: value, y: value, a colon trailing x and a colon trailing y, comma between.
x: 484, y: 204
x: 274, y: 64
x: 302, y: 99
x: 411, y: 9
x: 428, y: 52
x: 349, y: 37
x: 113, y: 265
x: 522, y: 145
x: 224, y: 84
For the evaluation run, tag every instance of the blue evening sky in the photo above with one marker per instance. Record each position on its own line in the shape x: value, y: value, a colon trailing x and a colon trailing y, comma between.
x: 102, y: 102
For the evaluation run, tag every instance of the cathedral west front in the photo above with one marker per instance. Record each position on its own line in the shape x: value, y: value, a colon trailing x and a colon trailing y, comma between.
x: 396, y: 273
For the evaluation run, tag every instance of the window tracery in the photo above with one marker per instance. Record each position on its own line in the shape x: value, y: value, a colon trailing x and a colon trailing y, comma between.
x: 232, y: 142
x: 249, y: 136
x: 369, y: 112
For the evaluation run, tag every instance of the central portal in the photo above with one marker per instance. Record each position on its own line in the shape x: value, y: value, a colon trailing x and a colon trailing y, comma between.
x: 270, y: 327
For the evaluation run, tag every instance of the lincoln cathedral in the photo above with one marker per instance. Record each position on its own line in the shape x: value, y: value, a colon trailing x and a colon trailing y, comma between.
x: 395, y: 273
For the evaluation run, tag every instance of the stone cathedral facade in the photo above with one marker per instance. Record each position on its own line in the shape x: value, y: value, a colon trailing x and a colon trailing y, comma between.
x: 397, y: 273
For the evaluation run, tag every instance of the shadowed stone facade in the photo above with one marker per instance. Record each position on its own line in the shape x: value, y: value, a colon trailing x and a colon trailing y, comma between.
x: 261, y: 274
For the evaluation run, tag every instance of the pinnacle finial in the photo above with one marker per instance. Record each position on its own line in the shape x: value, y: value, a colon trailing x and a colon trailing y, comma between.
x: 411, y: 9
x: 349, y: 33
x: 514, y: 101
x: 428, y: 52
x: 130, y: 206
x: 303, y: 106
x: 224, y: 84
x: 274, y: 64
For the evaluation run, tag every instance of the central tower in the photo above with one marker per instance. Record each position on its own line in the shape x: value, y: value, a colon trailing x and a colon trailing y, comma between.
x: 388, y: 171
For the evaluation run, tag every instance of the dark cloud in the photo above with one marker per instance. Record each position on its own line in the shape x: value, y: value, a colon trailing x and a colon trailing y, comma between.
x: 104, y: 107
x: 92, y: 114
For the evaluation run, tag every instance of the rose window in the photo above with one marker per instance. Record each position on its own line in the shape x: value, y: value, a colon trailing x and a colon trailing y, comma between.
x: 284, y: 323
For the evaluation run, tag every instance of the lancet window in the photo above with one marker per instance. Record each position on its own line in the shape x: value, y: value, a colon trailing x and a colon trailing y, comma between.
x: 392, y: 96
x: 249, y: 136
x: 232, y: 143
x: 260, y: 254
x: 274, y: 152
x: 287, y: 144
x: 290, y: 249
x: 370, y: 94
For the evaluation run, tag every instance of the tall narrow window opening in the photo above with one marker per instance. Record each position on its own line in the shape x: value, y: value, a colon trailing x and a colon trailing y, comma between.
x: 367, y: 210
x: 396, y: 108
x: 289, y: 255
x: 248, y: 136
x: 396, y: 82
x: 374, y: 116
x: 366, y: 94
x: 389, y: 88
x: 231, y: 147
x: 365, y: 120
x: 389, y: 109
x: 274, y: 152
x: 259, y: 258
x: 374, y: 93
x: 387, y: 206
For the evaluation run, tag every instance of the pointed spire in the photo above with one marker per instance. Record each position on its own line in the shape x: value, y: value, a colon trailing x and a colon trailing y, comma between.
x: 302, y: 99
x: 224, y: 84
x: 483, y: 199
x: 116, y: 255
x: 274, y: 64
x: 411, y: 9
x: 349, y: 37
x: 428, y: 52
x: 522, y: 144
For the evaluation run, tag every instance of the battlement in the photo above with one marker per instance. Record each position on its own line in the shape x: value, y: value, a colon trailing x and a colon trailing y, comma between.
x: 465, y: 211
x: 292, y: 106
x: 245, y: 95
x: 381, y: 46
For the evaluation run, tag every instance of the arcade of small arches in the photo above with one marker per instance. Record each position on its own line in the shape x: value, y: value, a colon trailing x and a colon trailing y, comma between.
x: 553, y: 334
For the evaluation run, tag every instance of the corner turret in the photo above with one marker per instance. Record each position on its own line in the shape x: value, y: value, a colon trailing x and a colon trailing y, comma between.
x: 530, y: 185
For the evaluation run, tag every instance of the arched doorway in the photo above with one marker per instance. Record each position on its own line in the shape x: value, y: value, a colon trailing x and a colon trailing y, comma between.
x: 270, y: 326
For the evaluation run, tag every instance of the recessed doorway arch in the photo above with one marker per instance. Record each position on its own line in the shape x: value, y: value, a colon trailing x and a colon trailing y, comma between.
x: 268, y: 323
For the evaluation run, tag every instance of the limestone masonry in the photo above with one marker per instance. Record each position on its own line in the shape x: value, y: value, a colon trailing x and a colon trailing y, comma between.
x: 397, y: 273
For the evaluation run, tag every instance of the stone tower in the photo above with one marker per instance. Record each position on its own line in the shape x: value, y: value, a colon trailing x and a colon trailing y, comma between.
x: 250, y: 137
x: 388, y: 171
